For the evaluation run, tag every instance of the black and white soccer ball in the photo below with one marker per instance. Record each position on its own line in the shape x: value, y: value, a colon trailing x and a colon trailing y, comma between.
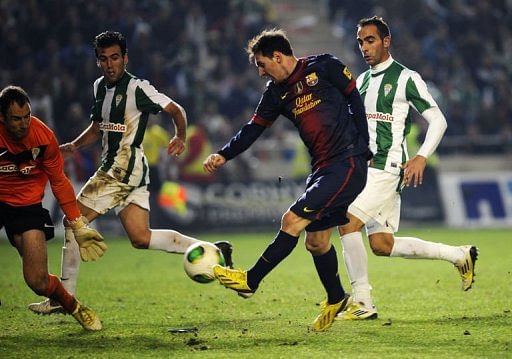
x: 199, y: 259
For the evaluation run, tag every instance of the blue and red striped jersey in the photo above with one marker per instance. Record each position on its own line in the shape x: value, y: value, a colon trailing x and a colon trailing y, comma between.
x: 321, y: 99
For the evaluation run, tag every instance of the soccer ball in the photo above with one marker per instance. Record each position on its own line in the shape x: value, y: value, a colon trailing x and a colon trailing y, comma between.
x: 199, y: 259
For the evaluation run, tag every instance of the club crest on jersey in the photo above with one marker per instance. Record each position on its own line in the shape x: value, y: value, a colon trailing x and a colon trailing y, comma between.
x: 299, y: 87
x: 119, y: 98
x: 387, y: 89
x: 35, y: 152
x: 312, y: 79
x: 347, y: 73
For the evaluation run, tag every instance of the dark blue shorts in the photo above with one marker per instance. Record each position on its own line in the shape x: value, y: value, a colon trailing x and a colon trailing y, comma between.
x: 329, y: 192
x: 21, y: 219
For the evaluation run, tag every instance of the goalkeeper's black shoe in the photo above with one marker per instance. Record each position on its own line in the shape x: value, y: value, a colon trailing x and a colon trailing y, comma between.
x: 226, y: 249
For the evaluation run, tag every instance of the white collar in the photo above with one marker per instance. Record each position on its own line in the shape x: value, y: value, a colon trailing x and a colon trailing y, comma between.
x: 382, y: 66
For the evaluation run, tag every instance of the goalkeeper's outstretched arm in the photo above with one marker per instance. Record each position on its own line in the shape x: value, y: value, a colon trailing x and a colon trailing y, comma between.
x: 89, y: 240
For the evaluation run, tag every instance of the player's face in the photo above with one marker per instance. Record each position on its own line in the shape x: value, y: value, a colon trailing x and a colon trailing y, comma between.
x: 374, y: 49
x: 112, y: 63
x: 272, y: 68
x: 17, y: 120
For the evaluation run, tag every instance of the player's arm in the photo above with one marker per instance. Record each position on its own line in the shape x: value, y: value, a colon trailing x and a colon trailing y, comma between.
x: 149, y: 100
x: 89, y: 240
x: 341, y: 78
x: 89, y: 136
x: 238, y: 144
x: 92, y: 133
x: 419, y: 97
x: 62, y: 189
x: 266, y: 113
x: 179, y: 116
x: 194, y: 149
x: 359, y: 114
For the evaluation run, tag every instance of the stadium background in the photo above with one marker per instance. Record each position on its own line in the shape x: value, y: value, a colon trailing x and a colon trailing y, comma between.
x: 194, y: 52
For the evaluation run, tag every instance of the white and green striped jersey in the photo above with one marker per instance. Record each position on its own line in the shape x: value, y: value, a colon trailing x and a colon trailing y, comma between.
x: 122, y: 112
x: 389, y: 91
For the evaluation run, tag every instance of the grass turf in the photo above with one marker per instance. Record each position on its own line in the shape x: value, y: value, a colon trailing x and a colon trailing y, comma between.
x: 142, y: 295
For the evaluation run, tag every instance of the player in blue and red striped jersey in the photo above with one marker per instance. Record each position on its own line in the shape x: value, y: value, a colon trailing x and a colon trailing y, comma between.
x: 319, y: 96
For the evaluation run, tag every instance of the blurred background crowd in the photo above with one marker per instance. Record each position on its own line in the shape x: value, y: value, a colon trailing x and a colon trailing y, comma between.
x: 463, y: 49
x: 194, y: 52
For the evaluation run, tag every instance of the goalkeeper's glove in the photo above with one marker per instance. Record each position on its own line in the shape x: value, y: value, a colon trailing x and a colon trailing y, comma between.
x: 90, y: 241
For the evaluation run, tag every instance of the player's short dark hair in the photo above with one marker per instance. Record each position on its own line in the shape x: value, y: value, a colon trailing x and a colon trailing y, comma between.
x: 267, y: 42
x: 12, y: 94
x: 382, y: 26
x: 109, y: 38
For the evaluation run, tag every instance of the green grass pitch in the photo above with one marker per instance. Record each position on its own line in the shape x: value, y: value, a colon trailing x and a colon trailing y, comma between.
x: 141, y: 295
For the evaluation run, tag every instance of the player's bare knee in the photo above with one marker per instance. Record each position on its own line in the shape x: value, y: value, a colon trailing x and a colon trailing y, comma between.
x: 354, y: 225
x: 380, y: 252
x: 351, y: 227
x: 287, y: 219
x: 381, y: 247
x: 347, y: 229
x: 317, y: 243
x: 140, y: 240
x: 317, y: 248
x: 139, y: 244
x: 290, y: 223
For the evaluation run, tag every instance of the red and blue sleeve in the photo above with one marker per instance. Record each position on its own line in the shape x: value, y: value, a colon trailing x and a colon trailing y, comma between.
x: 341, y: 78
x: 265, y: 115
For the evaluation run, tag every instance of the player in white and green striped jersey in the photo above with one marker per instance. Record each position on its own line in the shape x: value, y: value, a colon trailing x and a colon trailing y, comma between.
x: 120, y: 111
x: 390, y: 92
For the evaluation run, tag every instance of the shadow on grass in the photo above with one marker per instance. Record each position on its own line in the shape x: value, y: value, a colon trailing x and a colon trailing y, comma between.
x: 126, y: 345
x: 478, y: 320
x: 84, y: 343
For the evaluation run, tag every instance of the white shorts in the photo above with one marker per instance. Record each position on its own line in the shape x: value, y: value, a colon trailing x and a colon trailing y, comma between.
x: 102, y: 192
x: 378, y: 205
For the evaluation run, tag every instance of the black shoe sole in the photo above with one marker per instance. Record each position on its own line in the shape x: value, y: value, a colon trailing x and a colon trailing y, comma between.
x: 473, y: 253
x: 226, y: 249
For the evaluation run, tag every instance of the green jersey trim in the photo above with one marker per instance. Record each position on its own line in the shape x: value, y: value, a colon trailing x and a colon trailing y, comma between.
x: 123, y: 112
x: 389, y: 96
x: 413, y: 95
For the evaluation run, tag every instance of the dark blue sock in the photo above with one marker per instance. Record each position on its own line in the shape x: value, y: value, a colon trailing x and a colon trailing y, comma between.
x: 327, y: 269
x: 276, y: 251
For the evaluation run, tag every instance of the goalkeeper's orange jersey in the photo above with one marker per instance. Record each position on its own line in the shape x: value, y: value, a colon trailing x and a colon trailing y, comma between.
x: 27, y: 164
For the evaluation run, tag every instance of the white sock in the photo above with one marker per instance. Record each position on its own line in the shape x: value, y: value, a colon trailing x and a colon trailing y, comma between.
x: 170, y: 241
x: 415, y: 248
x: 70, y: 262
x: 356, y: 261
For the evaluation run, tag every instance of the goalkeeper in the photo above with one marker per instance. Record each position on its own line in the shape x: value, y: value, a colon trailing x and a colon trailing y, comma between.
x: 121, y: 107
x: 29, y: 157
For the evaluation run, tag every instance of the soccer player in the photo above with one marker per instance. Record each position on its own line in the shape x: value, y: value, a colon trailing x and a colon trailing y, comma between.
x: 120, y: 110
x: 29, y: 157
x: 319, y: 96
x: 390, y: 91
